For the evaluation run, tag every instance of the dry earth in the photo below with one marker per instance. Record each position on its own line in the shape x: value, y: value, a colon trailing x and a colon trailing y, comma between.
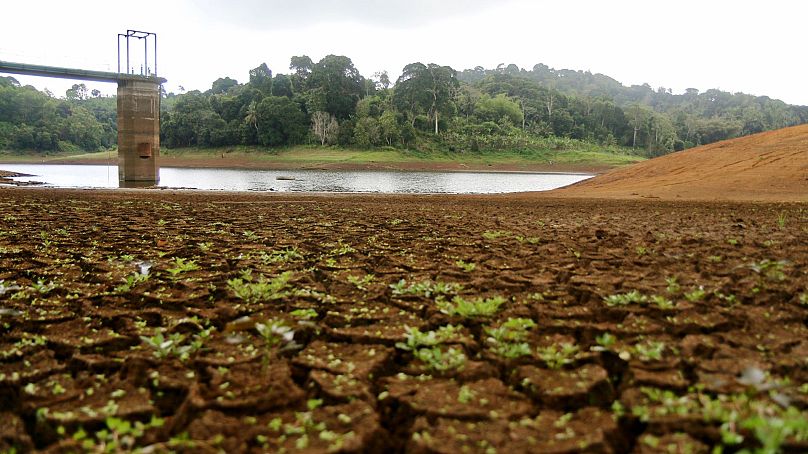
x: 268, y: 323
x: 770, y: 166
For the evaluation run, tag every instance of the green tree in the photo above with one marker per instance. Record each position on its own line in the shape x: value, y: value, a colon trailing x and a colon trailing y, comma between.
x: 339, y: 82
x: 281, y: 122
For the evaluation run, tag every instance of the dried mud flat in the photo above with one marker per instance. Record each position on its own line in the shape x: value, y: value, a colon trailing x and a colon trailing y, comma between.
x: 251, y: 323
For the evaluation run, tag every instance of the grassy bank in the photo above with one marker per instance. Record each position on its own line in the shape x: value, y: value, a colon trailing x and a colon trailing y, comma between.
x: 585, y: 158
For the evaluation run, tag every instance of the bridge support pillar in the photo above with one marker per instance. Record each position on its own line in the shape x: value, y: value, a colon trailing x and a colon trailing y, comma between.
x: 138, y: 132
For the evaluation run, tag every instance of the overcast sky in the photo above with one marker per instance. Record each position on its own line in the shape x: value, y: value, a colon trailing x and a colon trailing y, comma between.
x: 749, y: 46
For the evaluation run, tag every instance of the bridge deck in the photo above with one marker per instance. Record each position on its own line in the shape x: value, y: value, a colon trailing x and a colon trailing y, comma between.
x: 72, y: 73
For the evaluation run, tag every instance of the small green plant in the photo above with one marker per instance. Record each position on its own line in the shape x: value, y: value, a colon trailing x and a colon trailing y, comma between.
x: 494, y: 234
x: 465, y: 395
x: 508, y: 340
x: 275, y: 333
x: 131, y: 281
x: 662, y: 303
x: 341, y: 249
x: 252, y: 290
x: 605, y: 342
x: 181, y: 265
x: 468, y: 267
x: 558, y: 356
x: 471, y: 308
x: 781, y: 220
x: 166, y: 346
x: 360, y: 282
x: 119, y: 435
x: 770, y: 269
x: 649, y: 350
x: 416, y: 338
x: 204, y: 246
x: 732, y: 241
x: 696, y: 295
x: 42, y: 287
x: 250, y: 235
x: 283, y: 256
x: 625, y: 299
x: 804, y: 299
x: 673, y: 286
x: 435, y: 359
x: 641, y: 251
x: 425, y: 288
x: 304, y: 314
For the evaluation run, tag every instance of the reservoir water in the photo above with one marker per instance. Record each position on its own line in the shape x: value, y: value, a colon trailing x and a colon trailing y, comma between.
x: 91, y: 176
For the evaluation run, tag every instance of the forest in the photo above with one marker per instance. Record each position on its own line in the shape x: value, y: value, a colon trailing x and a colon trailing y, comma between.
x: 428, y: 107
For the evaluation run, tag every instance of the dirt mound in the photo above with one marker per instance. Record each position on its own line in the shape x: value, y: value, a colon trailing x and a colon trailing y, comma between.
x: 771, y: 166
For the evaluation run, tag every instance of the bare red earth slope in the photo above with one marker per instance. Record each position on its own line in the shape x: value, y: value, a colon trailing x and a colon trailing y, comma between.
x: 770, y: 166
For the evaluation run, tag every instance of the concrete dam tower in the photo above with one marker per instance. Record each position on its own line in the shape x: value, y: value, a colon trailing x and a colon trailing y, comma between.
x: 138, y: 132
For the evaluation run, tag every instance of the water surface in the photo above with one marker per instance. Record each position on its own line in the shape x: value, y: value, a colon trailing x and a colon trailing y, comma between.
x: 87, y: 176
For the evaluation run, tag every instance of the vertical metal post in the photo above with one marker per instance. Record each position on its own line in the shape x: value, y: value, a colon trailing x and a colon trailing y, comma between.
x: 127, y: 52
x: 119, y: 53
x: 155, y: 54
x: 146, y: 55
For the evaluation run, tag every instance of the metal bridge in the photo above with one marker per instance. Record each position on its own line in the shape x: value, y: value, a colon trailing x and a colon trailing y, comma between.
x: 138, y: 108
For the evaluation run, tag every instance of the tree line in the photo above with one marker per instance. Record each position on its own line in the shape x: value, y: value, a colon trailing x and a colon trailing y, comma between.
x: 428, y: 107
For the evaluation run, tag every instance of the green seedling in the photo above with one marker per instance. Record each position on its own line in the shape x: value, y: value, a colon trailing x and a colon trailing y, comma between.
x: 673, y: 286
x: 494, y: 234
x: 435, y: 359
x: 471, y: 308
x: 625, y: 299
x: 770, y: 269
x: 164, y: 347
x: 468, y: 267
x: 119, y: 435
x: 662, y: 303
x: 425, y: 288
x: 556, y: 356
x: 696, y: 295
x: 781, y: 220
x: 283, y: 256
x: 181, y: 265
x: 417, y: 339
x: 129, y: 282
x: 276, y: 333
x: 304, y: 314
x: 508, y: 340
x: 649, y: 351
x: 252, y: 290
x: 360, y: 283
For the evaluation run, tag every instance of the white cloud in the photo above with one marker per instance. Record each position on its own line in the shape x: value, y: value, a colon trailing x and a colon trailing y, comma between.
x: 735, y: 46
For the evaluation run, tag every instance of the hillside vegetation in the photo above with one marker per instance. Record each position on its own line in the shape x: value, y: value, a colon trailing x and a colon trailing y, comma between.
x: 428, y: 108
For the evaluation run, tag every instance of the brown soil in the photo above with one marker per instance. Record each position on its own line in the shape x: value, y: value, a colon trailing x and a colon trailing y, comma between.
x: 721, y: 296
x: 771, y: 166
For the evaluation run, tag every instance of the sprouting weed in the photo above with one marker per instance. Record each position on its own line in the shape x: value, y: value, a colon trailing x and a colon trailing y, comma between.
x: 468, y: 267
x: 204, y: 246
x: 174, y: 344
x: 275, y: 332
x: 360, y: 283
x: 417, y: 339
x: 181, y: 265
x: 471, y: 308
x: 641, y: 250
x: 606, y: 340
x: 341, y: 249
x: 624, y: 299
x: 42, y: 287
x: 696, y: 295
x: 770, y: 269
x: 508, y: 339
x: 282, y: 256
x: 494, y: 234
x: 262, y: 289
x: 465, y: 395
x: 304, y: 314
x: 425, y: 288
x: 131, y: 281
x: 673, y: 285
x: 436, y: 359
x: 804, y: 299
x: 649, y: 351
x: 250, y: 235
x: 662, y: 303
x: 781, y: 220
x: 556, y: 356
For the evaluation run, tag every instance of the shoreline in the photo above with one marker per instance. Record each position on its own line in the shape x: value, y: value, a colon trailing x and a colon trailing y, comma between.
x: 246, y: 164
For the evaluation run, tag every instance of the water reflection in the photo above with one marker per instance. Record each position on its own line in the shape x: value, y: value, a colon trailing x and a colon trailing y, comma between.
x: 80, y: 176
